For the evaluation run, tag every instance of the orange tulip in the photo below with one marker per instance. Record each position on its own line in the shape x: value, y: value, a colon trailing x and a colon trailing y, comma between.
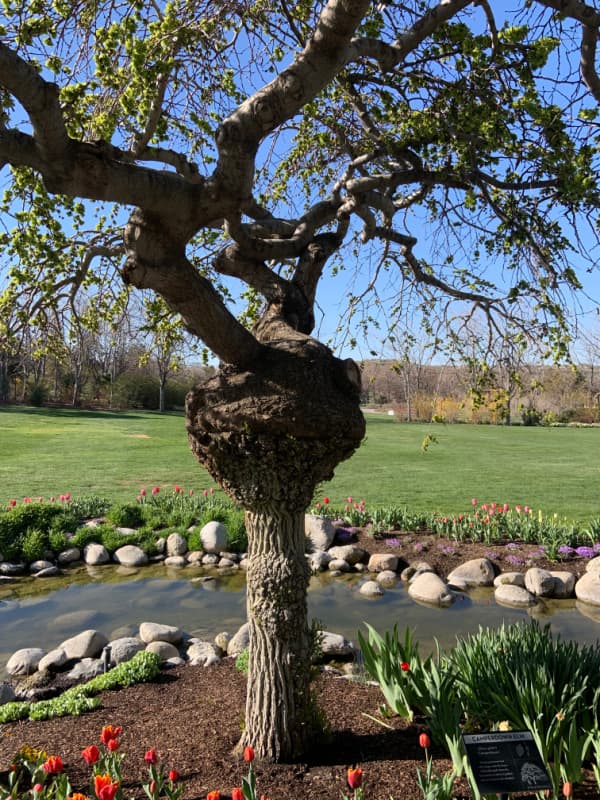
x: 53, y: 765
x: 110, y: 732
x: 355, y: 777
x: 237, y: 794
x: 424, y: 741
x: 567, y: 789
x: 91, y: 754
x: 214, y: 795
x: 105, y: 787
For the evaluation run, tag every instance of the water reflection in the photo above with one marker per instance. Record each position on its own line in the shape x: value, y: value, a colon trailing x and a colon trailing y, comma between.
x: 44, y: 612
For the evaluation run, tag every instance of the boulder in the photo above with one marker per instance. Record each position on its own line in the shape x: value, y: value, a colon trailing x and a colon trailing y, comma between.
x: 69, y: 556
x: 47, y: 572
x: 508, y: 594
x: 124, y: 648
x: 95, y: 554
x: 7, y: 694
x: 372, y: 589
x: 476, y: 572
x: 155, y: 632
x: 131, y: 556
x: 350, y: 553
x: 38, y: 566
x: 202, y: 654
x: 222, y: 640
x: 25, y: 661
x: 210, y: 559
x: 176, y: 545
x: 164, y: 650
x: 239, y: 641
x: 334, y: 645
x: 319, y: 532
x: 8, y: 568
x: 338, y: 565
x: 175, y: 561
x: 214, y: 537
x: 318, y: 560
x: 539, y: 582
x: 564, y: 584
x: 54, y: 660
x: 387, y: 577
x: 587, y: 588
x: 429, y: 588
x: 87, y: 644
x: 414, y: 570
x: 86, y: 669
x: 593, y: 565
x: 510, y: 579
x: 383, y: 562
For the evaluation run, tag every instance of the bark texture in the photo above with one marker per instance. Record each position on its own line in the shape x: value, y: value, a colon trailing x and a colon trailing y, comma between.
x: 269, y: 435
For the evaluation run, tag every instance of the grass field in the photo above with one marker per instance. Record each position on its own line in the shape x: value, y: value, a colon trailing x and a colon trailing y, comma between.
x: 47, y: 452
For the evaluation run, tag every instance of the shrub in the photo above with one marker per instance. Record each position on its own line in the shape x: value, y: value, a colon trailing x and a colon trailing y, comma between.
x: 126, y: 515
x: 15, y: 523
x: 35, y: 544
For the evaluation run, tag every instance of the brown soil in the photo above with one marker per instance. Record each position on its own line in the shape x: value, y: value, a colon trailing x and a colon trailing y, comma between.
x: 193, y: 717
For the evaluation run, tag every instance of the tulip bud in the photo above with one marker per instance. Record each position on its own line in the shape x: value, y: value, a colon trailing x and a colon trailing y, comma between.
x: 424, y: 741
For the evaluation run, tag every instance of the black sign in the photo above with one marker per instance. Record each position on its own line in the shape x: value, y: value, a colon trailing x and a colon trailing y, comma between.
x: 506, y: 761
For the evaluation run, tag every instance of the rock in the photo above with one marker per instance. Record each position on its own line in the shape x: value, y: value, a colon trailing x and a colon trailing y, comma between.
x: 77, y: 620
x: 239, y: 641
x: 225, y: 563
x: 194, y: 557
x: 54, y: 660
x: 372, y: 589
x: 164, y: 650
x: 124, y: 648
x: 338, y: 565
x: 334, y: 645
x: 155, y: 632
x: 87, y: 644
x: 429, y: 588
x: 47, y: 572
x: 587, y: 588
x: 593, y: 565
x: 222, y: 642
x: 539, y: 582
x: 476, y: 572
x: 25, y: 661
x: 69, y: 556
x: 318, y: 560
x: 175, y: 561
x: 86, y: 669
x: 510, y: 579
x: 202, y: 654
x: 387, y: 577
x: 95, y: 554
x: 160, y: 544
x: 131, y: 556
x: 214, y: 537
x: 176, y: 545
x: 564, y: 584
x: 508, y: 594
x: 126, y: 531
x: 8, y: 568
x: 210, y: 559
x: 415, y: 569
x: 235, y: 557
x: 319, y: 532
x: 7, y: 694
x: 38, y: 566
x: 350, y: 553
x: 383, y: 562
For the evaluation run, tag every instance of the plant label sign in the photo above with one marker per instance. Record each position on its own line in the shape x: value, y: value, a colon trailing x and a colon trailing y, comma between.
x: 506, y: 761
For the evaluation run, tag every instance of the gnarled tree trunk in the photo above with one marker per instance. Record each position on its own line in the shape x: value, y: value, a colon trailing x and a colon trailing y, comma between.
x: 269, y: 435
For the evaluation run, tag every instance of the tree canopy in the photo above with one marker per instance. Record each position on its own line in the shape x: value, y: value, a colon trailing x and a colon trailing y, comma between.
x: 446, y: 149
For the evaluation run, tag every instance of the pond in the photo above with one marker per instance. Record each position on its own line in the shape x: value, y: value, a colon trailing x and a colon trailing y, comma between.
x: 43, y: 612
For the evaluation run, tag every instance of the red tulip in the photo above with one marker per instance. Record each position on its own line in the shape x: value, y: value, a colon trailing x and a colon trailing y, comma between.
x: 151, y: 756
x: 110, y: 732
x: 143, y: 492
x: 91, y: 754
x: 155, y: 490
x: 53, y: 765
x: 405, y: 666
x: 567, y: 789
x: 326, y: 500
x: 12, y: 503
x: 424, y: 741
x: 355, y: 777
x: 105, y: 787
x: 113, y: 745
x: 248, y: 754
x: 237, y: 794
x: 173, y: 775
x: 214, y: 795
x: 38, y: 788
x: 153, y: 786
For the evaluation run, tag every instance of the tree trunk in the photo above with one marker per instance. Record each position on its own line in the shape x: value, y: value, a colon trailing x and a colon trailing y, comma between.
x: 268, y: 435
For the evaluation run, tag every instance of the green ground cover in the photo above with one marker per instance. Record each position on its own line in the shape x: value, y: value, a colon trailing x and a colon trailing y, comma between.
x: 47, y: 452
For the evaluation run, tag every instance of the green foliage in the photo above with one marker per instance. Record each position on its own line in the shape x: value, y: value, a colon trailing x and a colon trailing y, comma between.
x: 16, y: 522
x: 35, y: 544
x: 142, y: 668
x: 126, y: 515
x: 241, y: 662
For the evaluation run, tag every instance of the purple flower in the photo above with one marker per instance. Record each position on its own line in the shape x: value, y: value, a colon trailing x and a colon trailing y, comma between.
x: 512, y: 546
x: 393, y: 542
x: 419, y: 547
x: 514, y: 560
x: 585, y: 552
x: 565, y: 550
x: 491, y: 554
x: 597, y: 547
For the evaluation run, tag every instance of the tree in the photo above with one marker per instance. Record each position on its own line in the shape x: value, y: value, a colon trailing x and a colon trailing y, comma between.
x: 258, y: 145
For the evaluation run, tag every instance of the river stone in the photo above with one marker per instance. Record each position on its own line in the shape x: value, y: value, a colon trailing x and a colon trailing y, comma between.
x: 155, y: 632
x: 214, y: 537
x: 414, y: 570
x: 175, y: 561
x: 95, y: 554
x: 476, y: 572
x: 38, y: 566
x: 372, y: 589
x: 84, y: 618
x: 8, y: 568
x: 202, y: 654
x: 87, y: 644
x: 129, y: 631
x: 430, y: 588
x: 176, y: 545
x: 194, y: 557
x: 69, y: 556
x: 593, y: 565
x: 383, y: 562
x: 239, y: 641
x: 319, y: 532
x: 86, y: 669
x: 387, y: 577
x: 47, y: 572
x: 508, y: 594
x: 131, y: 556
x: 509, y: 579
x: 539, y: 582
x: 350, y: 553
x: 164, y: 650
x: 564, y: 584
x: 222, y: 640
x: 7, y: 694
x: 587, y: 588
x: 126, y: 531
x: 210, y: 559
x: 225, y: 563
x: 124, y: 649
x: 54, y: 660
x: 25, y: 661
x: 318, y: 560
x: 338, y: 565
x: 334, y: 645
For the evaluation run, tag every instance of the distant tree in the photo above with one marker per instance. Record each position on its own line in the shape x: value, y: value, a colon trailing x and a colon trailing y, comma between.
x: 258, y: 146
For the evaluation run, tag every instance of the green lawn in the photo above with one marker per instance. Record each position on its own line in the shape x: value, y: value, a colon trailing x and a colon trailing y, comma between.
x: 47, y: 452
